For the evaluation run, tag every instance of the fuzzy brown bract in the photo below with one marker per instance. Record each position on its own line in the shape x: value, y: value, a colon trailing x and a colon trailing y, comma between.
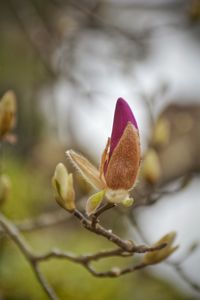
x: 124, y: 163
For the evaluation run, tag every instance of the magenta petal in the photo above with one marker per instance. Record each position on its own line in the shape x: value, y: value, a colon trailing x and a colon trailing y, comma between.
x: 123, y: 115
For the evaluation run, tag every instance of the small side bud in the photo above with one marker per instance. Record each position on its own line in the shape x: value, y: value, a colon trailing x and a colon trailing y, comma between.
x: 63, y: 184
x: 160, y: 255
x: 8, y: 109
x: 94, y: 202
x: 127, y: 202
x: 161, y: 134
x: 151, y: 169
x: 5, y: 186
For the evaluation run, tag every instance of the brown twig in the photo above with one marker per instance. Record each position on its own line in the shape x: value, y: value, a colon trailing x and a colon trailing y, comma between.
x: 101, y: 210
x: 124, y: 249
x: 126, y: 245
x: 12, y: 231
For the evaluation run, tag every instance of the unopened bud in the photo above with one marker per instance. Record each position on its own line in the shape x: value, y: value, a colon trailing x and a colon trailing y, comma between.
x: 151, y: 169
x: 63, y: 184
x: 5, y: 186
x: 7, y: 112
x: 157, y: 256
x: 161, y: 132
x: 127, y: 202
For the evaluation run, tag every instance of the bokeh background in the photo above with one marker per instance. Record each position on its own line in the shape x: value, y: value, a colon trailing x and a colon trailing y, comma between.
x: 68, y: 62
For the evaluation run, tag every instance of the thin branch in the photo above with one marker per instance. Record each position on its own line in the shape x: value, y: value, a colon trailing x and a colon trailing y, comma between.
x: 126, y: 245
x: 42, y: 221
x: 15, y: 235
x: 184, y: 276
x: 116, y: 272
x: 101, y: 210
x: 23, y: 24
x: 46, y: 287
x: 127, y: 249
x: 177, y: 266
x: 82, y: 259
x: 12, y: 231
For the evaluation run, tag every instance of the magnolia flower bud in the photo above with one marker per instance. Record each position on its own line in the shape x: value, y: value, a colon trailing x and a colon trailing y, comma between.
x: 123, y: 159
x: 7, y: 112
x: 5, y: 186
x: 120, y: 160
x: 157, y: 256
x: 63, y: 184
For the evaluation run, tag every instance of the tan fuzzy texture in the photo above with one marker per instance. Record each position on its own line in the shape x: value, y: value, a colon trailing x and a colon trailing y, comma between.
x: 125, y: 161
x: 87, y: 170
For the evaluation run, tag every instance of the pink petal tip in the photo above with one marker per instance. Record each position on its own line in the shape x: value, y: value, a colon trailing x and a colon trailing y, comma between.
x: 123, y: 115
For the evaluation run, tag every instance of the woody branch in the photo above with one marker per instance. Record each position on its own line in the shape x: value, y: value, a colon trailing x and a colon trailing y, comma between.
x: 124, y: 249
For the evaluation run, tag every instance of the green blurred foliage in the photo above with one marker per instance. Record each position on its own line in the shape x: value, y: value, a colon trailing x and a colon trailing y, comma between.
x: 29, y: 192
x: 22, y: 70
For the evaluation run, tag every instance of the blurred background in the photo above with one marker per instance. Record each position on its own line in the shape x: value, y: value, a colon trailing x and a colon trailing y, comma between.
x: 68, y: 62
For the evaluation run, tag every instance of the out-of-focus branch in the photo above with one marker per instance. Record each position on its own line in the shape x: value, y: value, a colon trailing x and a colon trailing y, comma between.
x: 22, y: 15
x: 42, y: 221
x: 126, y: 245
x: 12, y: 231
x: 180, y: 154
x: 176, y: 265
x: 175, y: 144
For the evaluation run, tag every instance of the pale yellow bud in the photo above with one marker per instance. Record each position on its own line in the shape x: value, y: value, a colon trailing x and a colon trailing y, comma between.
x: 161, y: 132
x: 127, y: 202
x: 157, y: 256
x: 8, y: 109
x: 63, y: 184
x: 5, y: 186
x: 151, y: 169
